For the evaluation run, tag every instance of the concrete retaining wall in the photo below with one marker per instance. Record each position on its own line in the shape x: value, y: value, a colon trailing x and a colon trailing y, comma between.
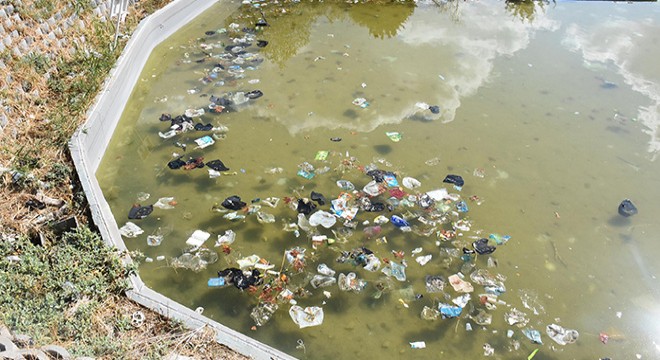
x: 89, y: 144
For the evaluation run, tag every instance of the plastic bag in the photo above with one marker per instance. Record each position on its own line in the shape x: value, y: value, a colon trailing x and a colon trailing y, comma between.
x: 309, y: 316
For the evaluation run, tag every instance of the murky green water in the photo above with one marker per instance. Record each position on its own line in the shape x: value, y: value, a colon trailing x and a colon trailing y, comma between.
x: 556, y: 106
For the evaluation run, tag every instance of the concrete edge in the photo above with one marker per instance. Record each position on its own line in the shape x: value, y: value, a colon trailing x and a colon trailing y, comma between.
x: 91, y: 139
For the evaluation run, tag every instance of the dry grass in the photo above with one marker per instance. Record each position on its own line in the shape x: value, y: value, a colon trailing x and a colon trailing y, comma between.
x: 44, y: 95
x: 158, y: 333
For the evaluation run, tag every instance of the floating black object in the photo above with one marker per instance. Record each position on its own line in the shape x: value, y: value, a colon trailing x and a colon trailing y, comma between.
x: 165, y: 117
x: 262, y: 43
x: 481, y: 247
x: 378, y: 175
x: 241, y: 279
x: 435, y: 109
x: 376, y: 207
x: 217, y: 165
x: 233, y: 203
x: 209, y: 33
x: 175, y: 164
x: 203, y: 127
x: 305, y: 206
x: 318, y: 197
x: 140, y: 212
x: 454, y: 179
x: 335, y: 139
x: 627, y: 208
x: 254, y: 94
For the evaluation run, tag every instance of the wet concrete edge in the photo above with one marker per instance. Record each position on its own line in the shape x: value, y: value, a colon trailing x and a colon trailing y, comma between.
x: 90, y: 141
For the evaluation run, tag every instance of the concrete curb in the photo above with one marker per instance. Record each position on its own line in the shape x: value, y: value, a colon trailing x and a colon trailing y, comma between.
x: 90, y: 141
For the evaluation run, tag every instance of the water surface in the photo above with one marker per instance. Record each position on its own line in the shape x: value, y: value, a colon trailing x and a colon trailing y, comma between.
x: 549, y: 113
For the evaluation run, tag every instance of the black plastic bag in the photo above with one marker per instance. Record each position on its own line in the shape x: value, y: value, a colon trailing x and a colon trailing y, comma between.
x: 217, y: 165
x: 482, y: 248
x: 140, y: 212
x: 176, y: 164
x: 305, y: 206
x: 454, y: 179
x: 233, y: 203
x: 318, y: 197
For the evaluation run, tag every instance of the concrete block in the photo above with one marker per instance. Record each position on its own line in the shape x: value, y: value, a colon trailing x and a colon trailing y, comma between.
x: 33, y: 354
x: 44, y: 27
x: 2, y: 47
x: 5, y: 342
x: 17, y: 52
x: 56, y: 352
x: 2, y: 30
x: 4, y: 331
x: 23, y: 340
x: 3, y: 13
x: 7, y: 40
x: 9, y: 9
x: 51, y: 22
x: 14, y: 34
x: 52, y: 36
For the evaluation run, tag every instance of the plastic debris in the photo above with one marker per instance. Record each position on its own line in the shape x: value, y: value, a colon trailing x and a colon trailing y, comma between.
x: 216, y: 282
x: 198, y: 238
x: 456, y: 180
x: 394, y: 136
x: 248, y: 261
x: 165, y: 203
x: 515, y: 316
x: 140, y: 212
x: 204, y: 141
x: 322, y: 281
x: 533, y: 335
x: 130, y: 230
x: 350, y: 282
x: 263, y: 312
x: 459, y: 284
x: 322, y: 218
x: 423, y: 260
x: 217, y: 165
x: 309, y: 316
x: 627, y: 208
x: 434, y: 283
x: 196, y: 260
x: 323, y: 269
x: 399, y: 222
x: 488, y: 350
x: 448, y: 311
x: 418, y: 345
x: 560, y: 335
x: 233, y: 203
x: 430, y: 313
x: 395, y: 270
x: 361, y: 102
x: 499, y: 239
x: 241, y: 279
x: 411, y: 183
x: 345, y: 185
x: 482, y: 248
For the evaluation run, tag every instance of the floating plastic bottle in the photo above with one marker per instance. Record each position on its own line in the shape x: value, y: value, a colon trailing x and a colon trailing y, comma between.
x: 322, y: 281
x: 263, y: 312
x: 399, y: 221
